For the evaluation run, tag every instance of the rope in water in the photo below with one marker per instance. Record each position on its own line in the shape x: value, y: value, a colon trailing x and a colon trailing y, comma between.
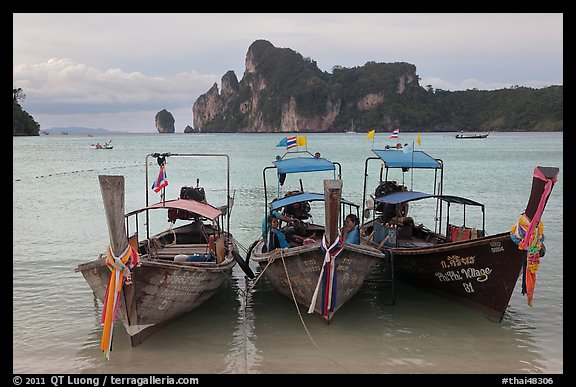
x: 249, y: 288
x: 302, y: 319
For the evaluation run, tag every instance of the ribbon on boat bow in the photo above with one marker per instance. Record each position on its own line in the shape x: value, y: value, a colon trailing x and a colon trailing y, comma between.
x: 328, y: 277
x: 528, y: 234
x: 120, y: 268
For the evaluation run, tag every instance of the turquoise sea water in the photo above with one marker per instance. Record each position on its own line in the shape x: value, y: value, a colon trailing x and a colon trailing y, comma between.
x: 59, y: 222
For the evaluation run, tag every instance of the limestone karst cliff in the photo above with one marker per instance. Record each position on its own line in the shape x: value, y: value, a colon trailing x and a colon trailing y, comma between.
x: 281, y: 91
x: 164, y: 122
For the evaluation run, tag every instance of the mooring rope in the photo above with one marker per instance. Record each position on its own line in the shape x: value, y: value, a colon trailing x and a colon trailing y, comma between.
x: 302, y: 319
x: 248, y: 289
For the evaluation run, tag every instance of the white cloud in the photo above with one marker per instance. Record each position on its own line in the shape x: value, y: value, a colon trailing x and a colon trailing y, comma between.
x: 95, y: 65
x: 61, y: 84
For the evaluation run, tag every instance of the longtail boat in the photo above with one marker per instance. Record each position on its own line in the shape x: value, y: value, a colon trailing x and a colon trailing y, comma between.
x: 453, y: 259
x: 324, y: 272
x: 461, y: 135
x: 147, y: 283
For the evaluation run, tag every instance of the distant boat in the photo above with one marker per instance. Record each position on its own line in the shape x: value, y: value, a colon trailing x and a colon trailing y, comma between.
x: 352, y: 130
x: 107, y: 145
x: 462, y: 135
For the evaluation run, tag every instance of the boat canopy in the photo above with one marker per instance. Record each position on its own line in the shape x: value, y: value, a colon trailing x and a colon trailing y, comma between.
x: 394, y: 158
x: 303, y: 164
x: 303, y: 197
x: 202, y: 209
x: 408, y: 196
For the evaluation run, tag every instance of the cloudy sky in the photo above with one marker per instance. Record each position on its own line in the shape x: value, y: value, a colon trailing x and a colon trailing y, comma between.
x: 116, y: 71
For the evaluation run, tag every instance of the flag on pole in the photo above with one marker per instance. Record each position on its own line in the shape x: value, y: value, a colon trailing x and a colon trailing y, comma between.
x: 395, y: 133
x: 301, y: 140
x: 370, y: 135
x: 161, y: 181
x: 291, y: 142
x: 283, y: 142
x: 418, y: 139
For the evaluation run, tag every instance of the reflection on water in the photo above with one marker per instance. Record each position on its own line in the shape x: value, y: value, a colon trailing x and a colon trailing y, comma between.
x: 243, y: 356
x: 56, y: 325
x: 246, y: 329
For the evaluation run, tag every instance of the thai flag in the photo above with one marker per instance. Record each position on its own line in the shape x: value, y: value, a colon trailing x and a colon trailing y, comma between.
x: 395, y: 133
x: 291, y: 142
x: 161, y: 181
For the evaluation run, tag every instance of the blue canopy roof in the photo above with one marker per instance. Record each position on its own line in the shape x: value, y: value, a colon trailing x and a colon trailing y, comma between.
x: 394, y: 158
x: 408, y: 196
x: 303, y: 164
x: 402, y: 196
x: 303, y: 197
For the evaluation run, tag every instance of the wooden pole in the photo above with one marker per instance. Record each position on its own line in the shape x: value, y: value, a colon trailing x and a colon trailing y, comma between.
x: 112, y: 189
x: 332, y: 196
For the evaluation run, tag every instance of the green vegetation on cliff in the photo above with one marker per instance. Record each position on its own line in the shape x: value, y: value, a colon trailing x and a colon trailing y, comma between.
x: 23, y: 123
x: 376, y: 96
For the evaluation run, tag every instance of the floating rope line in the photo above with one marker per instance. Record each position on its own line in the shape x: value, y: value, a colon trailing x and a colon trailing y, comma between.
x: 79, y: 171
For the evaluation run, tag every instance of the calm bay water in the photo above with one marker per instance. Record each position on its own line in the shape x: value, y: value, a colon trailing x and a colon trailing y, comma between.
x: 59, y: 222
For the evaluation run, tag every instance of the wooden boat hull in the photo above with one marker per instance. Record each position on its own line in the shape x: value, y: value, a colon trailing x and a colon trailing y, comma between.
x: 304, y: 264
x: 161, y: 291
x: 480, y: 273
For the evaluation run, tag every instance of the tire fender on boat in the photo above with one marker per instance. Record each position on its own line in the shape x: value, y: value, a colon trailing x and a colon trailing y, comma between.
x: 243, y: 264
x: 249, y: 253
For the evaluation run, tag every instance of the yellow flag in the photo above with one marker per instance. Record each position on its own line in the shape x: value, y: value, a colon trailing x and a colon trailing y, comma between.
x: 418, y: 139
x: 370, y: 135
x: 301, y: 140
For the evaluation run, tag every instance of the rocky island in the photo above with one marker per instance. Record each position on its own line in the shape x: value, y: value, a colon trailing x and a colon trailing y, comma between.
x: 281, y: 91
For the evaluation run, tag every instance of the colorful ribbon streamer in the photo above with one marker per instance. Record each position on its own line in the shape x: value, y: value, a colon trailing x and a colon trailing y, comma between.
x: 121, y: 268
x: 528, y: 234
x: 328, y: 277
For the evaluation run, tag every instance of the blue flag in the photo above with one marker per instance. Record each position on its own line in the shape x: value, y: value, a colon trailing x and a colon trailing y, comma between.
x: 283, y: 142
